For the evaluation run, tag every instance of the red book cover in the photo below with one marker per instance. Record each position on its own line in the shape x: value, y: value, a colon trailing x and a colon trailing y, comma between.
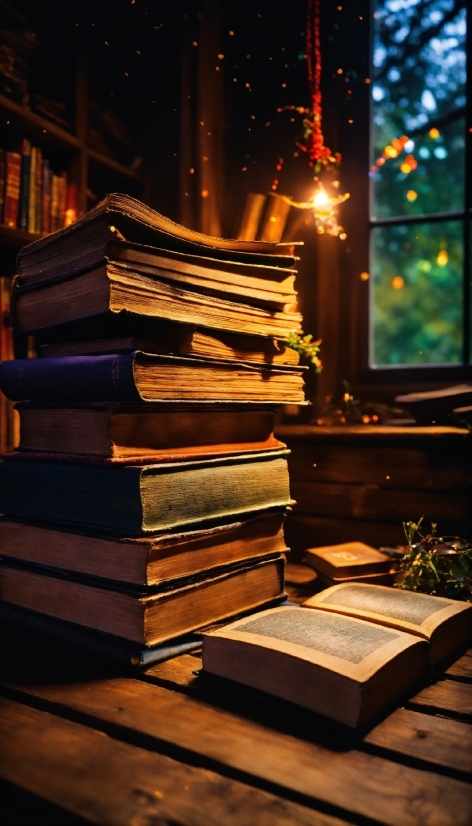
x: 46, y: 216
x: 72, y: 201
x: 12, y: 189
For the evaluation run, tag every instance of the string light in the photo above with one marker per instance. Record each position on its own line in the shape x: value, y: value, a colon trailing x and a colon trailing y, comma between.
x: 324, y: 209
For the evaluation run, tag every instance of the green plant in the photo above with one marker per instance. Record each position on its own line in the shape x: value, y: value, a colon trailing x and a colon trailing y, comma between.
x: 307, y: 348
x: 436, y: 565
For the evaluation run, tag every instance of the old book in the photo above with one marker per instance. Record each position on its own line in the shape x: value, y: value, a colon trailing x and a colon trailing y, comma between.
x: 269, y: 284
x: 347, y: 669
x: 141, y: 376
x: 445, y: 624
x: 2, y: 182
x: 12, y: 189
x: 67, y: 639
x: 38, y: 198
x: 183, y: 340
x: 145, y: 616
x: 32, y: 191
x: 46, y: 202
x: 133, y: 431
x: 113, y: 288
x: 386, y: 578
x: 120, y: 216
x: 148, y: 560
x: 350, y: 559
x: 25, y: 182
x: 133, y: 500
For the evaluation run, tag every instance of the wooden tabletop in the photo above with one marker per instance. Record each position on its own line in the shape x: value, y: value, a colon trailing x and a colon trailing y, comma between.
x: 166, y: 746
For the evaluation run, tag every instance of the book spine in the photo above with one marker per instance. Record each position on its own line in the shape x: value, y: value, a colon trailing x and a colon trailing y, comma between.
x: 61, y: 199
x: 74, y: 378
x: 25, y: 180
x: 38, y: 190
x: 32, y: 191
x: 54, y: 222
x: 46, y: 207
x: 2, y: 183
x: 12, y: 189
x: 71, y: 205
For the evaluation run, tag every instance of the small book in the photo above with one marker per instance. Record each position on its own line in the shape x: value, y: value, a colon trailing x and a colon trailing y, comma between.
x: 144, y: 616
x: 342, y: 667
x: 150, y: 560
x: 122, y: 217
x: 138, y: 376
x: 444, y: 623
x: 114, y: 288
x: 132, y: 500
x: 145, y: 432
x: 11, y: 204
x: 350, y: 559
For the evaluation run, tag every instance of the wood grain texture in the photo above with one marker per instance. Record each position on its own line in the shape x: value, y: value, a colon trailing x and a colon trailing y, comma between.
x: 366, y: 785
x: 426, y: 738
x: 462, y: 668
x: 446, y: 696
x: 379, y: 503
x: 103, y: 780
x: 303, y: 532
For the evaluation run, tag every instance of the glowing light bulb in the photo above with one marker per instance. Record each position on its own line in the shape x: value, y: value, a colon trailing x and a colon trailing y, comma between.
x: 320, y: 199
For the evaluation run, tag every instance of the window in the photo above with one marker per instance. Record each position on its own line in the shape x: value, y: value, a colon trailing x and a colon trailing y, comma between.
x: 420, y: 193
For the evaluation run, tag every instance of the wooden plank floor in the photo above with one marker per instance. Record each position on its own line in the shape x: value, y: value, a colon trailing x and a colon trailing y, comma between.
x: 170, y: 747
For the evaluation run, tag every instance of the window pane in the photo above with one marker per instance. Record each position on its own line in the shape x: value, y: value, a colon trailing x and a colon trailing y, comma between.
x: 417, y: 294
x: 418, y: 91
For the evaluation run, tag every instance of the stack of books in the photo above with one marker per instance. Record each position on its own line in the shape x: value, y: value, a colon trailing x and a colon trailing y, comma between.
x: 147, y: 497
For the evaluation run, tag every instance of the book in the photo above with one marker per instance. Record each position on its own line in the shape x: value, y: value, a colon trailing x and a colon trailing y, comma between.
x: 445, y: 624
x: 344, y: 668
x: 144, y: 616
x: 435, y: 406
x: 32, y: 190
x: 350, y: 559
x: 386, y: 578
x: 61, y: 200
x: 150, y: 560
x: 120, y: 216
x: 46, y: 202
x: 12, y: 189
x: 157, y: 336
x: 132, y: 500
x: 139, y: 376
x: 121, y: 431
x: 72, y: 204
x: 25, y: 184
x: 26, y: 627
x: 2, y: 182
x: 113, y: 288
x: 38, y: 197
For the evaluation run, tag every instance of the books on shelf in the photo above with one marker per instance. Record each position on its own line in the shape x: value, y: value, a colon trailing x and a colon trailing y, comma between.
x: 349, y: 658
x: 35, y: 199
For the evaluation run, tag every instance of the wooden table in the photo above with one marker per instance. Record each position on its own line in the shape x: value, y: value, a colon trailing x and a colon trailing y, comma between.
x: 82, y: 744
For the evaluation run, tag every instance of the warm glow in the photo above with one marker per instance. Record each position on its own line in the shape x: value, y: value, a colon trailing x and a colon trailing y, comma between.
x: 442, y: 258
x: 321, y: 198
x: 411, y: 160
x: 405, y: 168
x: 411, y: 195
x: 380, y: 161
x: 397, y: 282
x: 434, y: 133
x: 364, y: 276
x: 390, y: 152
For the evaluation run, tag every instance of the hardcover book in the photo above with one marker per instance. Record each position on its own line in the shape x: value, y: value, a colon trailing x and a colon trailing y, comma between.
x: 153, y: 431
x: 133, y: 500
x: 139, y: 376
x: 345, y: 668
x: 122, y: 217
x: 150, y: 616
x: 350, y: 559
x: 150, y: 560
x: 444, y: 623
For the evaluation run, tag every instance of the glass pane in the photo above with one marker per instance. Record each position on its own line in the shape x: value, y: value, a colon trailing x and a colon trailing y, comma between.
x: 418, y: 91
x: 417, y: 294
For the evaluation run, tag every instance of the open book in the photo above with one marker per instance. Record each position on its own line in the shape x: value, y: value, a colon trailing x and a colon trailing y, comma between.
x: 345, y: 667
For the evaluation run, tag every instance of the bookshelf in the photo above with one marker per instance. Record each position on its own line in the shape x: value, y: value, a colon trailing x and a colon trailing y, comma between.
x: 93, y: 172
